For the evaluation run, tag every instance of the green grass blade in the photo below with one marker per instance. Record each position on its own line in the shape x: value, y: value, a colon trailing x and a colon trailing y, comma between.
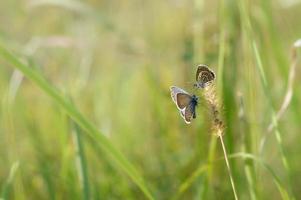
x: 7, y: 186
x: 249, y: 168
x: 81, y: 161
x: 273, y: 113
x: 86, y: 125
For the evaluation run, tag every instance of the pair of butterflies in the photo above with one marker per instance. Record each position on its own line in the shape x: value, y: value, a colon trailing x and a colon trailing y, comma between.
x: 186, y: 103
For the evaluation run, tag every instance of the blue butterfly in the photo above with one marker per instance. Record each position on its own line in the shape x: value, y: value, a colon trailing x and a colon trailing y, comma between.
x: 204, y: 76
x: 185, y: 102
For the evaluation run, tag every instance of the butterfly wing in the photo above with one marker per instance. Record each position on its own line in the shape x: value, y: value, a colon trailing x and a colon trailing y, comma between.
x: 180, y: 97
x: 183, y: 100
x: 204, y: 75
x: 201, y: 68
x: 189, y: 113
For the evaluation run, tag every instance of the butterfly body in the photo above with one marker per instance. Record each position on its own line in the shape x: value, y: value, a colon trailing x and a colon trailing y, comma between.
x: 193, y: 104
x: 185, y: 102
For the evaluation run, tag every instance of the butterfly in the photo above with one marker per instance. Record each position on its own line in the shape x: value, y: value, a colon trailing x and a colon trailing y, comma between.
x: 204, y: 76
x: 185, y: 102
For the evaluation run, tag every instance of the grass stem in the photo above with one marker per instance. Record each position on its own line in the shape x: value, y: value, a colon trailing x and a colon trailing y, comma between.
x: 228, y: 167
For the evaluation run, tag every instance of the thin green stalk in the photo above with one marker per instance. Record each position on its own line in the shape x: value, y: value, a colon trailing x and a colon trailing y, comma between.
x: 198, y: 33
x: 246, y: 147
x: 81, y: 162
x: 12, y: 150
x: 209, y: 175
x: 188, y: 182
x: 86, y: 125
x: 222, y: 43
x: 211, y: 157
x: 274, y: 119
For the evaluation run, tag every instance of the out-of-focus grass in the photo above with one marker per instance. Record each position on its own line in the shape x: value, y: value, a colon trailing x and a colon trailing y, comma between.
x: 116, y: 60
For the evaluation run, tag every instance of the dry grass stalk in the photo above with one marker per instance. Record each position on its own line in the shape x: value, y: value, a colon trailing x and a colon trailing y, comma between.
x: 218, y: 125
x: 291, y: 77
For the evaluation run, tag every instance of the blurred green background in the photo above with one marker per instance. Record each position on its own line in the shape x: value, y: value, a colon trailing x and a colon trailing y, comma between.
x: 115, y: 60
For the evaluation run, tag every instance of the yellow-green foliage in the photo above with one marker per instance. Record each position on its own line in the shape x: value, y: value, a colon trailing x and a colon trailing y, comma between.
x: 86, y: 111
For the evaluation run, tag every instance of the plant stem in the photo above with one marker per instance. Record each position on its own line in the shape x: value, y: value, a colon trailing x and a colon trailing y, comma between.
x: 228, y: 167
